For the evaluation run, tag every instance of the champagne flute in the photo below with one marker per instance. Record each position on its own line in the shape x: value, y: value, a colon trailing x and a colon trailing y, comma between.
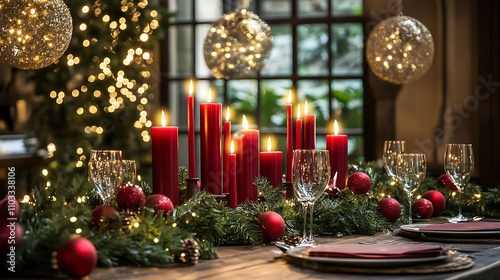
x: 459, y: 165
x: 311, y: 174
x: 391, y: 150
x: 410, y: 169
x: 129, y: 171
x: 105, y: 172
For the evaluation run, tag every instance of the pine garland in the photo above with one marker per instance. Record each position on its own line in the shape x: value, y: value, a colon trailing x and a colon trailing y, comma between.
x: 62, y: 208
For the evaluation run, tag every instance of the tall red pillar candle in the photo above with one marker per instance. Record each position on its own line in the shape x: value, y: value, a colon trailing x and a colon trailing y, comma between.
x: 233, y: 193
x: 210, y: 146
x: 247, y: 162
x: 191, y: 134
x: 289, y: 138
x: 337, y: 146
x: 227, y: 151
x: 309, y: 130
x: 298, y: 130
x: 271, y: 166
x: 165, y: 156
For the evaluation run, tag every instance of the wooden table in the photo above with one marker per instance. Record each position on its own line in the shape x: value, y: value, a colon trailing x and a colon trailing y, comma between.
x: 266, y: 262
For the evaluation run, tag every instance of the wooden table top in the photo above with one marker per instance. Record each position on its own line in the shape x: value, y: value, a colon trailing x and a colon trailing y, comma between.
x: 267, y: 262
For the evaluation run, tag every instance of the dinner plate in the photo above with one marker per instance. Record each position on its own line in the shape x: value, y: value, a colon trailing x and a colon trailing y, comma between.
x: 419, y: 228
x: 299, y: 253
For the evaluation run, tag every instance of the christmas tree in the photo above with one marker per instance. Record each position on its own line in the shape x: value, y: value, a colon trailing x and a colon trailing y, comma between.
x: 99, y: 95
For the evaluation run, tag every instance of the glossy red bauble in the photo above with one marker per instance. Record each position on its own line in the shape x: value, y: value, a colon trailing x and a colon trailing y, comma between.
x: 438, y: 201
x: 272, y: 226
x: 359, y: 182
x: 130, y: 197
x: 390, y: 208
x: 77, y: 257
x: 423, y: 207
x: 160, y: 202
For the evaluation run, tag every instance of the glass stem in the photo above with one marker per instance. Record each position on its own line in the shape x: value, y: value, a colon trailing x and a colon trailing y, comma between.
x: 460, y: 201
x: 304, y: 232
x: 409, y: 212
x: 311, y: 209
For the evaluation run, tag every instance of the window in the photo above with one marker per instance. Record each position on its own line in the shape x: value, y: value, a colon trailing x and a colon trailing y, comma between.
x: 317, y: 52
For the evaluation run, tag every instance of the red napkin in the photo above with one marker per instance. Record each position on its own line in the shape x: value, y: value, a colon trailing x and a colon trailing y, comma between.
x: 467, y: 226
x: 375, y: 251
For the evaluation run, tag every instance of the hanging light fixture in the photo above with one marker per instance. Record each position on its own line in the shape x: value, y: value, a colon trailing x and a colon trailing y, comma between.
x: 400, y: 49
x: 34, y: 33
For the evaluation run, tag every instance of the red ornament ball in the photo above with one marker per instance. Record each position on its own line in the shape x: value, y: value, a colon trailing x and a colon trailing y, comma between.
x: 445, y: 181
x: 105, y: 215
x: 438, y: 201
x: 11, y: 233
x: 359, y: 182
x: 272, y: 226
x: 77, y: 257
x: 130, y: 197
x: 389, y: 208
x: 160, y: 202
x: 423, y: 207
x: 9, y: 207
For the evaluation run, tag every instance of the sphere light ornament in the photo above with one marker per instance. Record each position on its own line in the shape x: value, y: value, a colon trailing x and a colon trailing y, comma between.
x: 237, y: 45
x: 34, y: 33
x: 400, y: 50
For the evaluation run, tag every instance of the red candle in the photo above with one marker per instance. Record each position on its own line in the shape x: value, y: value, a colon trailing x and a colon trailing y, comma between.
x: 337, y: 146
x: 165, y: 155
x: 191, y: 135
x: 233, y: 197
x: 227, y: 151
x: 309, y: 130
x: 247, y: 162
x: 270, y: 165
x: 210, y: 146
x: 289, y: 138
x: 298, y: 130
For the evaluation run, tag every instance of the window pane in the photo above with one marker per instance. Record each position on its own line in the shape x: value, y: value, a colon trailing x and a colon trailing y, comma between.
x: 208, y: 10
x: 274, y: 96
x: 242, y: 97
x: 312, y: 54
x: 347, y: 49
x: 347, y: 7
x: 279, y: 61
x: 348, y: 102
x: 181, y: 9
x: 181, y: 57
x: 275, y: 8
x: 201, y: 66
x: 317, y: 8
x: 355, y: 147
x: 316, y: 94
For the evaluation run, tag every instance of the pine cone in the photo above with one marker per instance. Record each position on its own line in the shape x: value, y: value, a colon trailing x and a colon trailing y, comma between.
x: 190, y: 252
x: 126, y: 220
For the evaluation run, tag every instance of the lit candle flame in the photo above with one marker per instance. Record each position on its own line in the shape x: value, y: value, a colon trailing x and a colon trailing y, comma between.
x: 209, y: 95
x: 269, y: 144
x: 245, y: 122
x: 232, y: 147
x: 191, y: 90
x: 290, y: 97
x: 227, y: 113
x: 298, y: 111
x: 305, y: 108
x: 163, y: 119
x: 335, y: 128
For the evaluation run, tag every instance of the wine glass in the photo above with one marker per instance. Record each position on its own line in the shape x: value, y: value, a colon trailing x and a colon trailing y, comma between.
x: 459, y: 164
x: 391, y: 150
x: 105, y: 172
x: 311, y: 174
x: 410, y: 169
x: 129, y: 171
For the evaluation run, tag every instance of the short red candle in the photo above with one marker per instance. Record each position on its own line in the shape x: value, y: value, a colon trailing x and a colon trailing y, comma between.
x: 289, y: 138
x: 337, y: 146
x: 309, y: 130
x: 271, y: 166
x: 227, y: 151
x: 247, y: 162
x: 165, y: 156
x: 191, y: 134
x: 233, y: 195
x: 298, y: 130
x: 210, y: 146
